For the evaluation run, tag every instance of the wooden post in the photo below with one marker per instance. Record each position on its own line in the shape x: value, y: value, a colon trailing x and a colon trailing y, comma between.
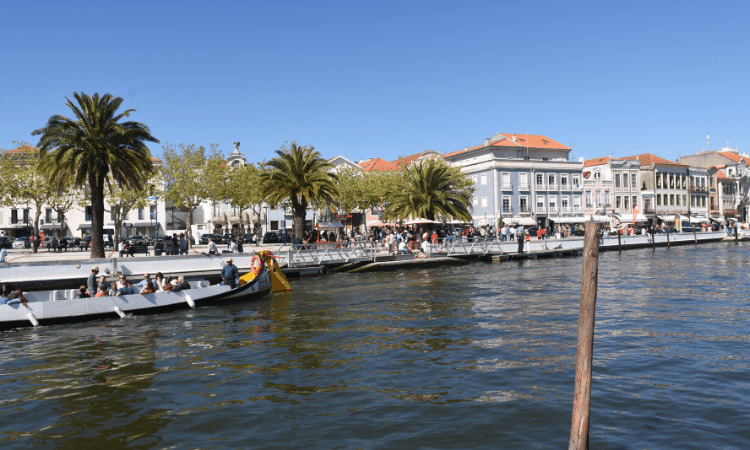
x: 579, y: 429
x: 695, y: 236
x: 667, y: 235
x: 619, y: 241
x: 736, y: 232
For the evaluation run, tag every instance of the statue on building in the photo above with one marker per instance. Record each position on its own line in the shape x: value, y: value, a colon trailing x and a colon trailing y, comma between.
x: 236, y: 147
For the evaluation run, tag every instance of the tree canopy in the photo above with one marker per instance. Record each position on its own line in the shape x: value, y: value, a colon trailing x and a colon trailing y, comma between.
x: 93, y: 148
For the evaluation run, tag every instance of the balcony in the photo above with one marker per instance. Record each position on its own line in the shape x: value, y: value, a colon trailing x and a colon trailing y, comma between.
x: 698, y: 189
x: 506, y: 187
x: 540, y: 187
x: 577, y: 187
x: 524, y: 209
x: 553, y: 187
x: 523, y: 187
x: 564, y: 187
x: 540, y: 209
x: 507, y: 210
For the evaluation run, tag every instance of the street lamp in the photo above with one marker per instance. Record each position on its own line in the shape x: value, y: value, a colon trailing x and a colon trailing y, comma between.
x: 266, y: 208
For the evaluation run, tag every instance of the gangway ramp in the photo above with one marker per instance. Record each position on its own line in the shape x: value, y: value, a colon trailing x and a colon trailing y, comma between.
x: 302, y: 255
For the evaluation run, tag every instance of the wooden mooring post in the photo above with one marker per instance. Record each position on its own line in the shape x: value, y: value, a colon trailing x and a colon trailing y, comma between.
x: 579, y: 429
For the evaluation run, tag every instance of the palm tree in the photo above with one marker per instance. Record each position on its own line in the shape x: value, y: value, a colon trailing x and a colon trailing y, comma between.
x: 427, y: 189
x: 300, y: 175
x: 95, y: 149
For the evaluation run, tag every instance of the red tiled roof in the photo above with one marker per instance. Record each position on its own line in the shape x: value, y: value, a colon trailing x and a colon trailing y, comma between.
x: 154, y: 159
x: 22, y: 149
x: 734, y: 157
x: 378, y: 165
x: 720, y: 175
x: 647, y: 159
x: 521, y: 141
x: 596, y: 161
x: 407, y: 160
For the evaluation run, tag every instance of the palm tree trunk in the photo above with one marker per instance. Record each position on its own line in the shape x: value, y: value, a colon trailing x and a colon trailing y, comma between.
x: 300, y: 212
x: 97, y: 217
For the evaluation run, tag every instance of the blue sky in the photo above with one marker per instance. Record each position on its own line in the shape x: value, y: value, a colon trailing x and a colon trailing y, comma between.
x: 367, y: 79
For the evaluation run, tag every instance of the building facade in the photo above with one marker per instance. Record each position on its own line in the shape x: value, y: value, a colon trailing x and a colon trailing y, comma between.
x: 520, y: 178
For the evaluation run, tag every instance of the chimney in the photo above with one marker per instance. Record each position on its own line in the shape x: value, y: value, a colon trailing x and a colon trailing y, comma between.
x: 486, y: 142
x: 514, y: 138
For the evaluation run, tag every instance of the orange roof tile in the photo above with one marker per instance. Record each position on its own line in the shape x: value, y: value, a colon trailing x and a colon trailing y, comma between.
x: 23, y: 148
x: 734, y: 157
x: 647, y: 159
x: 521, y: 140
x: 720, y: 176
x: 378, y: 165
x: 596, y: 161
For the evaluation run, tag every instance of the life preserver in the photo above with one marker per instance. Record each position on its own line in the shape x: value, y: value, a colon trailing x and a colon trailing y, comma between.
x: 256, y: 264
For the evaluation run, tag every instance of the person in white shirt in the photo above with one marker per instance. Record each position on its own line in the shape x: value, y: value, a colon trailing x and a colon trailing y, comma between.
x: 212, y: 249
x: 232, y: 246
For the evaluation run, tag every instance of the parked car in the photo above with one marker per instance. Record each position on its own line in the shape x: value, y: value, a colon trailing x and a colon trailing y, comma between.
x: 22, y: 242
x: 271, y: 237
x: 247, y: 238
x: 137, y: 240
x: 107, y: 238
x: 6, y: 242
x: 285, y: 236
x: 47, y: 242
x: 70, y: 240
x: 215, y: 238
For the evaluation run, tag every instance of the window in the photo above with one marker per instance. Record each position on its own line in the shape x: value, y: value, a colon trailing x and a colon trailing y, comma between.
x: 59, y: 217
x: 692, y: 200
x: 506, y: 204
x: 617, y: 180
x: 712, y: 203
x: 48, y: 215
x: 540, y: 203
x: 658, y: 181
x: 539, y: 180
x: 618, y: 202
x: 552, y: 204
x: 88, y: 214
x: 684, y: 199
x: 564, y: 181
x: 474, y: 179
x: 671, y: 199
x: 626, y: 203
x: 634, y: 201
x: 274, y: 225
x: 523, y: 180
x: 671, y: 181
x: 564, y: 204
x: 607, y: 201
x: 152, y: 211
x: 505, y: 178
x: 484, y: 178
x: 587, y: 194
x: 648, y: 203
x: 13, y: 216
x: 577, y: 203
x: 677, y: 199
x: 703, y: 202
x: 598, y: 198
x: 551, y: 181
x: 484, y: 202
x: 524, y: 203
x: 684, y: 181
x: 112, y: 213
x: 633, y: 181
x: 475, y: 201
x: 140, y: 213
x: 576, y: 181
x: 658, y: 199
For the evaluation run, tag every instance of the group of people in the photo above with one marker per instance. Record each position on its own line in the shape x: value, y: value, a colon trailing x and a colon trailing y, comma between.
x: 97, y: 286
x: 233, y: 246
x: 10, y: 296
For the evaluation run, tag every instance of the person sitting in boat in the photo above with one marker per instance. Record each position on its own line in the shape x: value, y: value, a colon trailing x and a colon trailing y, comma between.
x: 161, y: 282
x: 146, y: 279
x: 230, y: 274
x: 212, y: 249
x: 91, y: 282
x: 102, y: 290
x: 82, y: 292
x: 16, y: 297
x: 103, y: 283
x: 180, y: 284
x: 149, y: 289
x: 112, y: 288
x: 127, y: 289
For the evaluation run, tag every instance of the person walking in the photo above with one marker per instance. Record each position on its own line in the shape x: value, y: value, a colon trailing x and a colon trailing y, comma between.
x: 183, y: 244
x: 520, y: 237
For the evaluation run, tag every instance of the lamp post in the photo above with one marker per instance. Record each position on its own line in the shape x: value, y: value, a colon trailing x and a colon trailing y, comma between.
x: 266, y: 208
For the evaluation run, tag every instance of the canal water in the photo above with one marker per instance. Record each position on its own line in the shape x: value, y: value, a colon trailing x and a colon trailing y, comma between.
x: 472, y: 357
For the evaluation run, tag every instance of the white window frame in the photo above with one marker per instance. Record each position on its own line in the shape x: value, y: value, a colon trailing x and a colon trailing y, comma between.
x: 483, y: 178
x: 521, y: 200
x: 484, y: 202
x: 507, y: 199
x: 475, y: 201
x: 523, y: 180
x: 505, y: 176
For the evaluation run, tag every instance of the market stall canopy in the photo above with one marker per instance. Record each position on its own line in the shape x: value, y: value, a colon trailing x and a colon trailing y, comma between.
x: 579, y: 219
x: 525, y: 221
x: 419, y: 221
x: 329, y: 225
x: 378, y: 223
x: 629, y: 218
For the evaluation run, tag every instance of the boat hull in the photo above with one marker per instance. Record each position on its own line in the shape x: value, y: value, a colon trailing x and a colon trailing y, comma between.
x: 52, y: 308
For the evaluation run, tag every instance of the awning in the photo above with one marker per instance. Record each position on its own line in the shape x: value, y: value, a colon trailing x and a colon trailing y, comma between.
x: 717, y: 219
x: 84, y: 226
x: 578, y: 219
x: 600, y: 219
x: 420, y: 221
x: 629, y: 218
x: 665, y: 218
x: 698, y: 219
x: 526, y: 221
x: 140, y: 224
x: 329, y: 225
x: 50, y: 227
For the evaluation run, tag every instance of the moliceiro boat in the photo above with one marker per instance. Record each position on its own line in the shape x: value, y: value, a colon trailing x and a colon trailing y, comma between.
x: 60, y: 306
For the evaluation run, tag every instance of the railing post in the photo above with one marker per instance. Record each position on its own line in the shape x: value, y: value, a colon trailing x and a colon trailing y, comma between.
x: 579, y: 430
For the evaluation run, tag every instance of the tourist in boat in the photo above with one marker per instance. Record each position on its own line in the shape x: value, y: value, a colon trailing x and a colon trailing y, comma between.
x: 91, y: 282
x: 102, y: 291
x: 230, y: 274
x: 160, y: 281
x: 149, y: 288
x: 127, y: 289
x: 16, y: 297
x: 180, y: 284
x: 102, y: 283
x: 82, y: 292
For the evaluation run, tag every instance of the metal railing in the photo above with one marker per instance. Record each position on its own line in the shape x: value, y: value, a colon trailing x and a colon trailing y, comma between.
x: 297, y: 255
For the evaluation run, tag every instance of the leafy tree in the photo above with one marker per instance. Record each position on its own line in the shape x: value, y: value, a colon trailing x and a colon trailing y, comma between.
x: 24, y: 185
x: 243, y: 189
x: 300, y: 175
x: 192, y: 176
x: 121, y: 201
x: 93, y: 147
x: 428, y: 189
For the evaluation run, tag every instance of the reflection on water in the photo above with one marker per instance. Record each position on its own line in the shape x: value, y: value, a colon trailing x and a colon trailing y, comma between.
x: 478, y: 356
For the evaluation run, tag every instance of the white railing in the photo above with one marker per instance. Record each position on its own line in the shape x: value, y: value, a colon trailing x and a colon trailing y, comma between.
x: 297, y: 255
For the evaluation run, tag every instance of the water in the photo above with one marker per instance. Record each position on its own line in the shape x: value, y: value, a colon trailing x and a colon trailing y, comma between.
x: 478, y: 356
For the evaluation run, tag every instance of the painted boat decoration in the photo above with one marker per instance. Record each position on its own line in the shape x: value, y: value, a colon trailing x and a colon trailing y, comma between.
x: 60, y: 306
